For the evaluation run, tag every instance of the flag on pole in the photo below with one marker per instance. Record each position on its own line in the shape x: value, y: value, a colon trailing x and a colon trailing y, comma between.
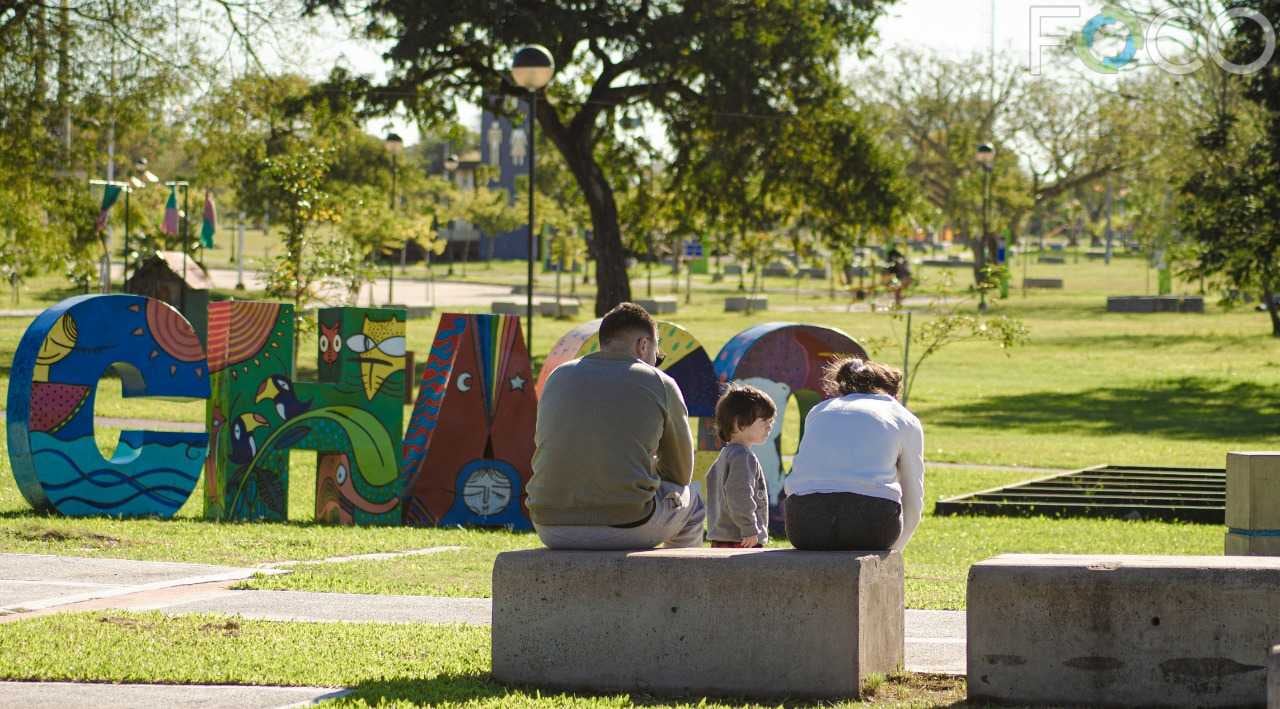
x: 109, y: 196
x: 210, y: 223
x: 171, y: 212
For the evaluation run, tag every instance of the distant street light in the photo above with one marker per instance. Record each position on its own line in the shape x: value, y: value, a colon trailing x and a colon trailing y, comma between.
x: 986, y: 157
x: 395, y: 144
x: 450, y: 169
x: 531, y: 70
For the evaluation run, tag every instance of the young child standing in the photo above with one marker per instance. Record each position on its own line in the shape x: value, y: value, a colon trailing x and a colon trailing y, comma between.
x: 737, y: 502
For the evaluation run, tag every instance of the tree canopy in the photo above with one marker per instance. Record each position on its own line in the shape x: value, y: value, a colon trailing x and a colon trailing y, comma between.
x: 687, y: 62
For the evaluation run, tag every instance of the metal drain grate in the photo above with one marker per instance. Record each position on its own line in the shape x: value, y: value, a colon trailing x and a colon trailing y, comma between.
x: 1129, y: 492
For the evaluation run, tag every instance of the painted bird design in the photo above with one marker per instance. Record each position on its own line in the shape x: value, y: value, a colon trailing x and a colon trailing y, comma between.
x: 243, y: 447
x: 279, y: 390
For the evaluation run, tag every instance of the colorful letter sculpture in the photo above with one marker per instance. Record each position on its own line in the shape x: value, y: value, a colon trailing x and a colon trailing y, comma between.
x: 52, y: 386
x: 352, y: 417
x: 783, y: 359
x: 686, y: 362
x: 469, y: 448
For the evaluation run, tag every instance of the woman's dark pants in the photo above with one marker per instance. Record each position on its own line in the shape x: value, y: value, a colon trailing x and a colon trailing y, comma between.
x: 842, y: 520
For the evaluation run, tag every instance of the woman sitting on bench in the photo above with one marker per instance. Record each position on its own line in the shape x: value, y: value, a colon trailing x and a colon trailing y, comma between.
x: 858, y: 479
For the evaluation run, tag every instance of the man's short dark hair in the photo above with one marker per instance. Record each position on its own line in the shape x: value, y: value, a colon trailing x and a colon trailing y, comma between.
x: 624, y: 318
x: 740, y: 407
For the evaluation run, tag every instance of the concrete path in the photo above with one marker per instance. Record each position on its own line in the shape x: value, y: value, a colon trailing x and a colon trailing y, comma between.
x: 57, y: 695
x: 309, y: 606
x: 30, y: 582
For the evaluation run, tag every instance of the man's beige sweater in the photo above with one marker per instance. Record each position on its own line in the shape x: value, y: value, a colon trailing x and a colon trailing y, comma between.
x: 602, y: 420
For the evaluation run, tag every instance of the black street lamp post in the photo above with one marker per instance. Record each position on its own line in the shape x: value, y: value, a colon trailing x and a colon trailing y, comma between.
x: 394, y: 145
x: 985, y: 156
x: 531, y: 69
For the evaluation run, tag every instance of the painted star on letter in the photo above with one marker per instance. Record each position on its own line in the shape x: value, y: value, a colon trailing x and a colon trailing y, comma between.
x: 517, y: 383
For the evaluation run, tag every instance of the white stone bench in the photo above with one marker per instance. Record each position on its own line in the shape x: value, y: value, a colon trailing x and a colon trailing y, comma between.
x: 657, y: 305
x: 1273, y: 678
x: 1122, y: 630
x: 508, y: 307
x: 697, y: 622
x: 741, y: 303
x: 566, y: 308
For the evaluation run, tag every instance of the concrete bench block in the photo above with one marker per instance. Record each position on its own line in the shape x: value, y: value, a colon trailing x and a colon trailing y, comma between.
x: 1042, y: 283
x: 657, y: 305
x: 1058, y: 260
x: 1122, y: 630
x: 684, y: 622
x: 507, y: 307
x: 739, y: 304
x: 566, y: 309
x: 1253, y: 504
x: 1273, y: 678
x: 732, y: 269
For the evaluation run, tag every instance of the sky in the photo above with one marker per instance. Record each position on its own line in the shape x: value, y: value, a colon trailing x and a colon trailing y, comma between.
x: 953, y: 28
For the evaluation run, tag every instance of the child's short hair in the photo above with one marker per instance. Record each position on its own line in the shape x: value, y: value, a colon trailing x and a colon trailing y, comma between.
x: 741, y: 406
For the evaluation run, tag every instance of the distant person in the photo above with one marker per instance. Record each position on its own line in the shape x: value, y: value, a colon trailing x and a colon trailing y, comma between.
x: 613, y: 451
x: 858, y: 479
x: 897, y: 274
x: 737, y: 501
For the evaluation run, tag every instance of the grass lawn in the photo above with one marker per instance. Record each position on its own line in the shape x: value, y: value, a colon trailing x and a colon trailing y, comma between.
x: 386, y: 665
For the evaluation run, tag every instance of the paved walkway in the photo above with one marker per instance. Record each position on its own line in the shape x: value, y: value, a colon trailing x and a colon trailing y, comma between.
x: 58, y: 695
x: 32, y: 582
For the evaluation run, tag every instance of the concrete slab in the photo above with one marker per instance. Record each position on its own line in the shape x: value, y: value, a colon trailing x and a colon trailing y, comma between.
x: 1113, y: 630
x: 1273, y: 678
x: 333, y: 607
x: 661, y: 621
x: 35, y: 581
x: 57, y: 695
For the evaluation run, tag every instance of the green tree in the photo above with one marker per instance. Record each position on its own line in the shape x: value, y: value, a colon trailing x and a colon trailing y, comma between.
x: 679, y: 58
x: 295, y: 184
x: 1232, y: 201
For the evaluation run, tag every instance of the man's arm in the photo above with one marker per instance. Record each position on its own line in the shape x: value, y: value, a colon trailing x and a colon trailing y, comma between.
x: 675, y: 449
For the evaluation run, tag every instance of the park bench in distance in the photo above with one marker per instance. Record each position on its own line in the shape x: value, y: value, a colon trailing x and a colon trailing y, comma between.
x: 697, y: 622
x: 1122, y: 630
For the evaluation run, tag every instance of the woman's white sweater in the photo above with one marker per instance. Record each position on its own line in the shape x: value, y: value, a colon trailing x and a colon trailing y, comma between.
x: 867, y: 444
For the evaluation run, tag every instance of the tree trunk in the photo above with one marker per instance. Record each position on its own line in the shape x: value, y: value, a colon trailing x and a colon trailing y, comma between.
x: 1273, y: 310
x: 612, y: 285
x: 979, y: 258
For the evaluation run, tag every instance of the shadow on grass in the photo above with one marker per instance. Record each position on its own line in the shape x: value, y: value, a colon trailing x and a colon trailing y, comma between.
x: 1123, y: 341
x: 1191, y: 408
x: 921, y: 689
x: 446, y: 687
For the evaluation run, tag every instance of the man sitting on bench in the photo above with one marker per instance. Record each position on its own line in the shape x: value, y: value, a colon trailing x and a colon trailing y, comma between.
x: 614, y: 454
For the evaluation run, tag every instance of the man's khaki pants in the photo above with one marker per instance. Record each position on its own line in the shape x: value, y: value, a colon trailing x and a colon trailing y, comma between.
x: 677, y: 521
